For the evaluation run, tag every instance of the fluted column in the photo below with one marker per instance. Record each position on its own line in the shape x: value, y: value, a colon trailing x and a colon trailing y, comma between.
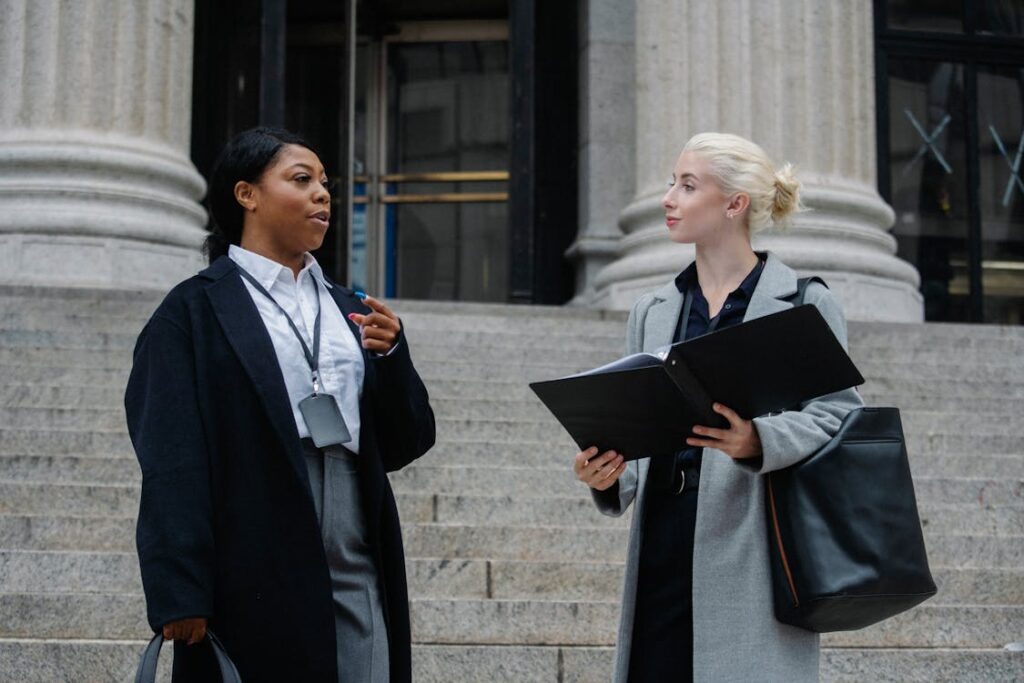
x: 797, y: 77
x: 606, y: 136
x: 96, y: 186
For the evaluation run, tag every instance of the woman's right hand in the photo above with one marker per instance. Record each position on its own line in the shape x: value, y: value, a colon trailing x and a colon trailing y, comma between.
x: 599, y: 472
x: 193, y: 630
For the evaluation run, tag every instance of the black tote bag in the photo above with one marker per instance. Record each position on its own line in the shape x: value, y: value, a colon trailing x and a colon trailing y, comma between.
x: 845, y: 536
x: 147, y: 665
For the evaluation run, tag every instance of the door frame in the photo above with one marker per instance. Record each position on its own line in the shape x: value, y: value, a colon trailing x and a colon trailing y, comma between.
x: 375, y: 174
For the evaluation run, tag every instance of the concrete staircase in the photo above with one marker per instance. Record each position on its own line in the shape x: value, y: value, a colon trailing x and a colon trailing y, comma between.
x: 513, y: 575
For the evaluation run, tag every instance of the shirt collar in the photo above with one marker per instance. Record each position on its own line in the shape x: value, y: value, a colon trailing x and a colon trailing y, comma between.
x: 267, y: 271
x: 688, y: 278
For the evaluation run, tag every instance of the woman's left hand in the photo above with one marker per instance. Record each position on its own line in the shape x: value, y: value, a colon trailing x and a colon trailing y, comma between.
x: 379, y: 328
x: 739, y: 441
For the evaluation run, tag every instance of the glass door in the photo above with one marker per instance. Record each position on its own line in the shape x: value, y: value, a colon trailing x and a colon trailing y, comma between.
x: 431, y: 150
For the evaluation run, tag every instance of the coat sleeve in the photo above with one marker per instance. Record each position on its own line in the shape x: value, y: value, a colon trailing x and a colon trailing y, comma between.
x: 405, y: 420
x: 789, y: 437
x: 615, y: 500
x: 174, y: 533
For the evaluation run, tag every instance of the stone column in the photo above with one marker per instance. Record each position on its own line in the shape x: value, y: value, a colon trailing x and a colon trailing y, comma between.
x: 797, y: 77
x: 96, y: 186
x: 607, y: 138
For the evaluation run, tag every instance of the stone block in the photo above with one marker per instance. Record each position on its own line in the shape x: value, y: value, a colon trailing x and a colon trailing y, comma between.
x: 933, y: 665
x: 520, y: 511
x: 15, y: 441
x: 34, y: 660
x: 108, y: 500
x: 32, y: 532
x: 74, y: 616
x: 447, y: 663
x: 513, y: 622
x: 571, y: 580
x: 587, y: 664
x: 961, y: 626
x: 542, y: 544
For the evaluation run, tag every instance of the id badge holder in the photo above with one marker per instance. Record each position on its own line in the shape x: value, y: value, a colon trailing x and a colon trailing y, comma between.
x: 324, y: 420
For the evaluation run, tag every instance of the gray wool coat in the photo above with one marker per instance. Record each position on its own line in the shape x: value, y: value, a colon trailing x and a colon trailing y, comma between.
x: 735, y: 635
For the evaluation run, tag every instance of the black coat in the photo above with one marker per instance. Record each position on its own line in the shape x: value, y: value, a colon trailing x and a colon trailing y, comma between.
x: 227, y: 528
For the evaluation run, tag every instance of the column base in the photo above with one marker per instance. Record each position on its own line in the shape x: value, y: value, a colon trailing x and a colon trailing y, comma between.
x: 90, y: 209
x: 70, y: 261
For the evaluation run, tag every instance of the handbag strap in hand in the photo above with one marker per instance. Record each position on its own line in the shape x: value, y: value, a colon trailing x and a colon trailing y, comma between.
x: 147, y: 666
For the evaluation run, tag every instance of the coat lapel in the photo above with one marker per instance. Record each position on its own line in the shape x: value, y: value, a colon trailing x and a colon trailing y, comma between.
x: 662, y: 317
x: 777, y: 282
x: 240, y: 319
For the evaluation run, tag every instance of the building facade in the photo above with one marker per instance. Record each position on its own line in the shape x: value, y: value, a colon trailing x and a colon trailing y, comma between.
x: 515, y: 150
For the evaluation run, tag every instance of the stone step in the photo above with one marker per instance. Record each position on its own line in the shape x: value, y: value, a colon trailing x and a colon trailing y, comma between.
x: 45, y: 661
x: 74, y: 615
x: 923, y: 665
x: 48, y: 532
x: 967, y: 626
x: 118, y: 573
x: 943, y: 370
x: 533, y: 367
x: 592, y: 541
x: 474, y: 399
x: 960, y: 394
x: 978, y: 552
x: 446, y: 469
x: 52, y: 442
x: 70, y: 469
x: 87, y: 500
x: 594, y: 623
x: 608, y: 544
x: 879, y: 332
x: 121, y: 303
x: 990, y: 498
x: 945, y: 403
x: 107, y: 378
x: 76, y: 330
x: 922, y: 427
x: 454, y: 446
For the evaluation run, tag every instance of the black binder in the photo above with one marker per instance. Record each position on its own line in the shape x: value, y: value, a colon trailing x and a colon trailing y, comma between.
x: 646, y: 404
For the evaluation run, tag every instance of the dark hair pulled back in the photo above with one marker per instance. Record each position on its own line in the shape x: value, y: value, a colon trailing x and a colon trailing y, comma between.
x: 246, y: 157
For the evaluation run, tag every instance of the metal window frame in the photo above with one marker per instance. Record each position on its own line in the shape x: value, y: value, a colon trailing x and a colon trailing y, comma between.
x: 969, y: 49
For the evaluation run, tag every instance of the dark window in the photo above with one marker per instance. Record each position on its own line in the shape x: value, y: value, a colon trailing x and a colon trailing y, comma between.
x: 950, y: 87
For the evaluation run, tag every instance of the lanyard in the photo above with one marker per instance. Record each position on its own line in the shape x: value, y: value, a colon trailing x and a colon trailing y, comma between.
x: 312, y: 357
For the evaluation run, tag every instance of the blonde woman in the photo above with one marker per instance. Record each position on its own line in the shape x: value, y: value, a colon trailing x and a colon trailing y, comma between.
x: 697, y: 600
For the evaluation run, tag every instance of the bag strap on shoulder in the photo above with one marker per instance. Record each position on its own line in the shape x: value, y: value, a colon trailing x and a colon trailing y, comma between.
x: 801, y: 289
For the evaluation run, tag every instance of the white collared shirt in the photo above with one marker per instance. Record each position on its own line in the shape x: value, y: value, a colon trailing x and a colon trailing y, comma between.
x: 341, y: 359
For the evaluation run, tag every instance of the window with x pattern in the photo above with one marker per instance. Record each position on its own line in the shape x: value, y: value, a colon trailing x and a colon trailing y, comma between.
x: 950, y: 77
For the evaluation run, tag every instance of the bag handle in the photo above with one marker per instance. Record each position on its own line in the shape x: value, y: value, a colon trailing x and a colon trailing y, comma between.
x: 147, y: 665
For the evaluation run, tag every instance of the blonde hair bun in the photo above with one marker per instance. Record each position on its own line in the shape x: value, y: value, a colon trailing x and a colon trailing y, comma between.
x: 787, y: 194
x: 740, y: 165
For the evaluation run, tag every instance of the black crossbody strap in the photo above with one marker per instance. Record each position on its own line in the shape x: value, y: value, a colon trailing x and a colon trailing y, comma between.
x: 801, y: 289
x: 312, y: 357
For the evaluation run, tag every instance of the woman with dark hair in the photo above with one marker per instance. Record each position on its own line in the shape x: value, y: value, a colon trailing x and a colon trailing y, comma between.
x: 265, y: 405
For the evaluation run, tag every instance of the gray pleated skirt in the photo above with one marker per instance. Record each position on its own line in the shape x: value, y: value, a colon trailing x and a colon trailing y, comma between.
x: 358, y: 612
